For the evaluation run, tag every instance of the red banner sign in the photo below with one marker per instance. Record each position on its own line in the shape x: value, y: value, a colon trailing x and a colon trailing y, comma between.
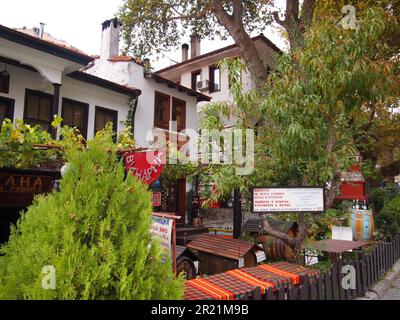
x: 156, y: 199
x: 147, y: 166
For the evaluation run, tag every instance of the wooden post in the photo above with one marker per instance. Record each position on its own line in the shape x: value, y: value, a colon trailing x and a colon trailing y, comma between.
x: 237, y: 214
x: 54, y: 107
x: 174, y: 246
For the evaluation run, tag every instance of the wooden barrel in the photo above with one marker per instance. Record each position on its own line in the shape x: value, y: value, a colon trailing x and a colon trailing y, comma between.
x: 275, y: 248
x: 362, y: 224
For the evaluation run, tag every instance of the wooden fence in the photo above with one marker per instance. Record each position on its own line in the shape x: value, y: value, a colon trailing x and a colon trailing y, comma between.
x: 328, y: 286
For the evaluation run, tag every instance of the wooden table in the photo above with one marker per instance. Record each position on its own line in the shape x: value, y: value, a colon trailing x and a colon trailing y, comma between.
x: 336, y: 247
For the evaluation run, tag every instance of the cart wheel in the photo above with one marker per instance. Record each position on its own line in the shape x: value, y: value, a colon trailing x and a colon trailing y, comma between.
x: 186, y: 266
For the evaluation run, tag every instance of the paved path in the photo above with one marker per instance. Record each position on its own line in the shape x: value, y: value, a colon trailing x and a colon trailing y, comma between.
x: 394, y: 291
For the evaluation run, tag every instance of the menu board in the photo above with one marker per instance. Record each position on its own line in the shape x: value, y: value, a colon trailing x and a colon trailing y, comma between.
x: 161, y: 229
x: 270, y: 200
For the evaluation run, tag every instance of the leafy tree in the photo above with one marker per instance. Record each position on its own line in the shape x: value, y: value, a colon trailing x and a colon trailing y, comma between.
x: 95, y: 232
x: 160, y: 25
x: 306, y: 136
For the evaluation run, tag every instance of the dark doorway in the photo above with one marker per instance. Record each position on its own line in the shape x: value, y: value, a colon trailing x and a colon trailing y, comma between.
x: 8, y: 217
x: 173, y: 199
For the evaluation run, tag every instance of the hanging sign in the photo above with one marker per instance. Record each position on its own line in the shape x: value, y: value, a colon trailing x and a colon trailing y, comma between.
x: 275, y: 200
x: 147, y: 166
x: 156, y: 199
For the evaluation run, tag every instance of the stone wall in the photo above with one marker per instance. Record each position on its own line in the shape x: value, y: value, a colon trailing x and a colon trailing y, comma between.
x: 221, y: 218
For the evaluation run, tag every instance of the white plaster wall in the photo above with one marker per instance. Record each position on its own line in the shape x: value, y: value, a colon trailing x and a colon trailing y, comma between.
x: 95, y: 96
x: 131, y: 74
x: 21, y: 79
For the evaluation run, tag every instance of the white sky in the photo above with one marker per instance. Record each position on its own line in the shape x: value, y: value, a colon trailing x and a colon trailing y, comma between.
x: 78, y: 22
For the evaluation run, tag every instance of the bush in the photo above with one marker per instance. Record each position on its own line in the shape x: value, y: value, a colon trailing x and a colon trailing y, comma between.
x: 95, y: 232
x: 388, y: 221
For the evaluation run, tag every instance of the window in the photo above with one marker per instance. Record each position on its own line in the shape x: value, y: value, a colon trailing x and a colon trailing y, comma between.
x: 104, y: 116
x: 38, y: 109
x: 179, y: 113
x: 215, y: 79
x: 196, y: 77
x: 161, y: 110
x: 75, y: 114
x: 6, y: 109
x: 4, y: 82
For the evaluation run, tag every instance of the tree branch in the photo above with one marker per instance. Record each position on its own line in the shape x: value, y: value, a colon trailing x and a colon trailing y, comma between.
x: 275, y: 233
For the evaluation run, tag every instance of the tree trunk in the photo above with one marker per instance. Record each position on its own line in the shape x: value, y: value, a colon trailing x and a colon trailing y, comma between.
x: 294, y: 24
x: 332, y: 192
x: 296, y: 244
x: 234, y: 25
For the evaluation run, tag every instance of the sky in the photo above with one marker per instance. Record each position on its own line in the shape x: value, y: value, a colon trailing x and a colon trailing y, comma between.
x: 78, y: 22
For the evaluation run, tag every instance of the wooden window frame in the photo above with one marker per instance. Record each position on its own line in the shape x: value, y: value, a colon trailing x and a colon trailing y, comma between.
x: 181, y: 102
x: 12, y: 106
x: 194, y: 75
x: 86, y: 113
x: 115, y: 122
x: 40, y: 94
x: 211, y: 82
x: 156, y: 123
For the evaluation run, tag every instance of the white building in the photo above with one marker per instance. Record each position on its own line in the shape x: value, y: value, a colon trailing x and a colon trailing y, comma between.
x: 201, y: 72
x: 41, y: 77
x: 161, y: 100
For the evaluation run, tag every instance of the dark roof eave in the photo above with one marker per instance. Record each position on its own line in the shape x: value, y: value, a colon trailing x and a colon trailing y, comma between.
x: 200, y: 97
x: 100, y: 82
x: 44, y: 46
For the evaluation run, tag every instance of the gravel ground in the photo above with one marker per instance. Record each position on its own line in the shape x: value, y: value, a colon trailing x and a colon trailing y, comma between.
x: 394, y: 292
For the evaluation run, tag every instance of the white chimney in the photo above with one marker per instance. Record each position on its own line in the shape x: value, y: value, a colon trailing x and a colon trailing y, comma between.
x: 110, y: 39
x: 195, y: 43
x: 185, y: 52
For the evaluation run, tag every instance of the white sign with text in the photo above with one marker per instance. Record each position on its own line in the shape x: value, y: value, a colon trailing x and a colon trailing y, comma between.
x: 161, y: 229
x: 267, y: 200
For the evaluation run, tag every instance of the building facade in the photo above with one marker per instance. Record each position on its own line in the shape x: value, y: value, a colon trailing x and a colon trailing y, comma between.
x: 202, y: 73
x: 162, y: 101
x: 42, y: 78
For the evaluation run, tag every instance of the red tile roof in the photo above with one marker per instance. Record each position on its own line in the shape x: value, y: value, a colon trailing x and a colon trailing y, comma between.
x: 46, y: 44
x: 49, y: 38
x: 125, y: 59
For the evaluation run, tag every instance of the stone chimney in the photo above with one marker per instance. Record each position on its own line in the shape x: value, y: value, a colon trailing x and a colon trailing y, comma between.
x: 195, y: 43
x: 110, y: 39
x: 185, y: 52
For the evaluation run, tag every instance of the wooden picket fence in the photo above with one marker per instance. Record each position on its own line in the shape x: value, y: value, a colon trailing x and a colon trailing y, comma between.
x: 328, y: 286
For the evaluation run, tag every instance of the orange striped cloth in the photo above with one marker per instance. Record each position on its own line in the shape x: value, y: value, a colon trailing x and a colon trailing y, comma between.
x: 248, y: 278
x: 211, y: 289
x: 295, y: 277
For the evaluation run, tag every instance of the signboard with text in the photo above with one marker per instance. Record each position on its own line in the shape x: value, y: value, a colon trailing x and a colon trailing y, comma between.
x: 161, y: 229
x: 147, y: 166
x: 18, y: 187
x: 156, y: 199
x: 284, y: 200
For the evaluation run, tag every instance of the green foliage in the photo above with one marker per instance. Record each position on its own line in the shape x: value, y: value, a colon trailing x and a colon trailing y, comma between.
x: 388, y: 221
x: 17, y: 145
x: 321, y: 228
x: 95, y: 232
x: 305, y: 136
x: 154, y: 26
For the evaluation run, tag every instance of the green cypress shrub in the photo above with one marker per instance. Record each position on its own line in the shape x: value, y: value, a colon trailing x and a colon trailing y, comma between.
x: 95, y: 232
